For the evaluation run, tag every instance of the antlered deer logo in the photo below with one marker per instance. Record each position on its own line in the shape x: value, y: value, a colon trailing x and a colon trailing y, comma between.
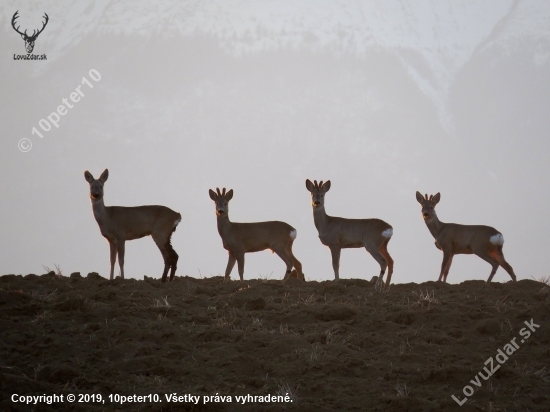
x: 29, y: 40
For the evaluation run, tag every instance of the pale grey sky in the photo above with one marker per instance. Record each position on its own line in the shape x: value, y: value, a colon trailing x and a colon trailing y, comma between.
x: 381, y: 97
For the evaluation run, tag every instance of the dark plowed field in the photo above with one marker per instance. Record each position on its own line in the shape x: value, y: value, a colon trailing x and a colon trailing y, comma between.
x: 327, y: 346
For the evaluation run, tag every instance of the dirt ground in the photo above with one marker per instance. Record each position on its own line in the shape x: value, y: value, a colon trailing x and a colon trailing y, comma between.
x: 326, y: 346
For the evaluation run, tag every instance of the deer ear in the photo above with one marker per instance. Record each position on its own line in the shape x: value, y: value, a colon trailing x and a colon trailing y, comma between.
x: 212, y: 194
x: 326, y: 186
x: 88, y: 176
x: 419, y: 197
x: 436, y: 198
x: 104, y: 176
x: 229, y: 195
x: 309, y: 185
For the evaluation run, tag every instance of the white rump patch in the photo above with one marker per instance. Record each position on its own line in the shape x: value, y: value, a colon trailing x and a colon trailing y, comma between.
x: 293, y: 234
x: 497, y: 239
x: 388, y: 233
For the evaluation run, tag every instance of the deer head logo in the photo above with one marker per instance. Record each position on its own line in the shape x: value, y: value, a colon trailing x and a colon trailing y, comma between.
x: 29, y: 40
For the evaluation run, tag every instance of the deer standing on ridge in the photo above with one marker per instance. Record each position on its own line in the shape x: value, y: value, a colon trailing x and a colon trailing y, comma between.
x: 119, y: 224
x: 338, y: 233
x: 453, y: 239
x: 241, y: 238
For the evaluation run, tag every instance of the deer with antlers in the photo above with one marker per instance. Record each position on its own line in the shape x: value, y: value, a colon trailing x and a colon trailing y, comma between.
x: 119, y: 224
x: 453, y: 239
x: 29, y: 40
x: 241, y: 238
x: 338, y: 233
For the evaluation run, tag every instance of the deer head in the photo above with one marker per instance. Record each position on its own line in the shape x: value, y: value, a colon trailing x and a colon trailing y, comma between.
x: 428, y: 205
x: 29, y: 40
x: 222, y: 200
x: 317, y: 191
x: 96, y: 186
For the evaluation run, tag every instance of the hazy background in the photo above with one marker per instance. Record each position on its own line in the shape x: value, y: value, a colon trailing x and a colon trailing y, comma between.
x: 381, y: 97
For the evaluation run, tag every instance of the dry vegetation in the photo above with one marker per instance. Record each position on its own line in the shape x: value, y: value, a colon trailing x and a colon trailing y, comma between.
x: 330, y: 346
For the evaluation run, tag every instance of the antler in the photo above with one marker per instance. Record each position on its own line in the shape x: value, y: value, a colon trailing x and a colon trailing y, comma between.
x: 43, y: 27
x: 34, y: 33
x: 15, y: 16
x: 222, y: 193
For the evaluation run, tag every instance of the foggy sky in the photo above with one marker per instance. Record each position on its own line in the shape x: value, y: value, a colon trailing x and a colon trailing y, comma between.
x: 381, y: 97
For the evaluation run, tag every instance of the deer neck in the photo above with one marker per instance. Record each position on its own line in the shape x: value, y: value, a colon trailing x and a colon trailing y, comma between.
x: 224, y: 224
x: 99, y: 209
x: 435, y: 226
x: 320, y: 217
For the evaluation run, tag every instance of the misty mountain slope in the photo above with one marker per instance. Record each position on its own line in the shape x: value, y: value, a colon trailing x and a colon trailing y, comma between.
x: 432, y: 40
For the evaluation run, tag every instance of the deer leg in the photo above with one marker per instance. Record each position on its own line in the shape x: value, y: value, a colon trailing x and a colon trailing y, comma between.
x: 173, y: 264
x: 389, y: 260
x: 379, y: 257
x: 445, y: 265
x: 161, y: 244
x: 120, y: 247
x: 240, y: 265
x: 297, y: 264
x: 173, y: 256
x: 112, y: 245
x: 492, y: 261
x: 289, y: 262
x: 447, y: 269
x: 166, y: 268
x: 499, y: 256
x: 493, y: 271
x: 336, y: 261
x: 230, y: 263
